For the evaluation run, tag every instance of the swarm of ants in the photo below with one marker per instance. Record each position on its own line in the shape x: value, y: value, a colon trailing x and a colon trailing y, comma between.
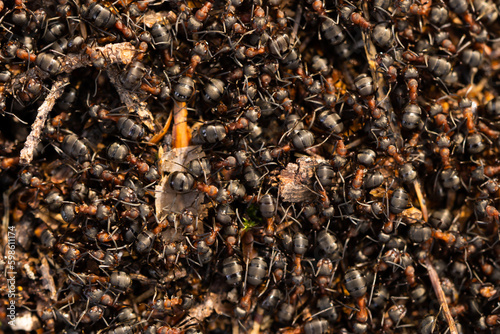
x: 250, y: 166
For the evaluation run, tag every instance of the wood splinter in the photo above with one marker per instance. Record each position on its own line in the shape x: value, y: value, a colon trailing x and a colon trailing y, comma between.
x: 436, y: 284
x: 180, y: 132
x: 33, y: 138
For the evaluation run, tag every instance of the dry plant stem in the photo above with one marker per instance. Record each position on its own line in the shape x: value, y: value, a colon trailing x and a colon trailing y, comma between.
x: 436, y: 284
x: 371, y: 53
x: 43, y: 112
x: 157, y: 137
x: 421, y: 200
x: 117, y: 53
x: 180, y: 131
x: 131, y: 99
x: 145, y: 295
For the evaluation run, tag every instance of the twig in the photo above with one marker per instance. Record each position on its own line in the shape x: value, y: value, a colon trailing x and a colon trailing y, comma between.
x: 48, y: 280
x: 131, y: 99
x: 421, y: 200
x: 436, y: 284
x: 124, y: 54
x: 180, y: 131
x: 117, y: 53
x: 113, y: 53
x: 43, y: 112
x: 145, y: 295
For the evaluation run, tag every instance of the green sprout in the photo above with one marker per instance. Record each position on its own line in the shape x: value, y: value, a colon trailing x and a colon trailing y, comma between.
x: 248, y: 223
x: 252, y: 218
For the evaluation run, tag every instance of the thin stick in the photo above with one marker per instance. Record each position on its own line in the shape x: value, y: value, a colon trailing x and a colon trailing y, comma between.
x: 180, y: 132
x: 145, y: 295
x: 371, y: 53
x: 436, y: 284
x: 157, y: 137
x: 421, y: 200
x: 43, y: 112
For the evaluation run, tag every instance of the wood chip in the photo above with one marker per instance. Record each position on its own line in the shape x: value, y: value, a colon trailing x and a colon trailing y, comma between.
x: 47, y: 279
x: 411, y: 215
x: 297, y: 180
x: 119, y: 53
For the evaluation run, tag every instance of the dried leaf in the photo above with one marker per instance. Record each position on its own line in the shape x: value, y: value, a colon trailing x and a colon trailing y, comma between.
x: 411, y: 215
x: 53, y: 220
x: 167, y: 200
x: 58, y: 172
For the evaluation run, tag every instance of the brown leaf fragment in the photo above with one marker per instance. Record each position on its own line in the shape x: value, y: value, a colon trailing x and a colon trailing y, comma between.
x: 167, y: 200
x: 412, y: 215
